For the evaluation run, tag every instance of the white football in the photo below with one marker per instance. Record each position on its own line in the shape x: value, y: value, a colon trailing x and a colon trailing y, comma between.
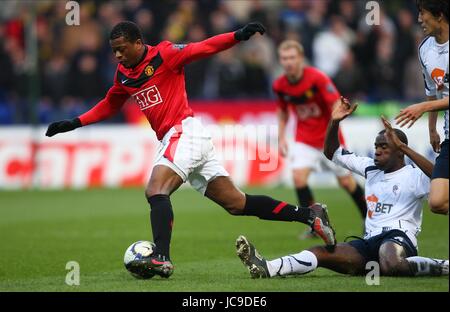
x: 136, y: 252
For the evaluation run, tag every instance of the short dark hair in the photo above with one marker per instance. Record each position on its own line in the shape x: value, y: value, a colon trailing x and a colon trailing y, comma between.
x: 435, y: 7
x: 401, y: 135
x: 129, y: 30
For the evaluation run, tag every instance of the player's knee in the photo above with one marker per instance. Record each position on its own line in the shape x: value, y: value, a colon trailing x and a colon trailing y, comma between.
x: 347, y: 183
x: 152, y: 191
x: 390, y: 266
x: 300, y: 182
x: 235, y: 207
x: 390, y: 262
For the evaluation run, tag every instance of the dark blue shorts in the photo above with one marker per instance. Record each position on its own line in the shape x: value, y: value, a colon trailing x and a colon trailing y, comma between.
x: 369, y: 248
x: 440, y: 169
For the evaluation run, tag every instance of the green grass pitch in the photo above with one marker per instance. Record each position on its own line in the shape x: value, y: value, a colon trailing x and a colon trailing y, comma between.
x: 42, y: 230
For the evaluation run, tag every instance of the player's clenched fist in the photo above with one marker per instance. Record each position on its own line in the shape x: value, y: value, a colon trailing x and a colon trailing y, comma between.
x: 249, y: 30
x: 63, y: 126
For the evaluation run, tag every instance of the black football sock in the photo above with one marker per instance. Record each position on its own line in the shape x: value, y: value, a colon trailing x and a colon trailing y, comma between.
x: 267, y: 208
x: 305, y: 196
x: 161, y: 218
x: 360, y: 200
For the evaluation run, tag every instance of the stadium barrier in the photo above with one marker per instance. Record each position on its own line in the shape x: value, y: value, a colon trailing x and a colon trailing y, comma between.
x: 122, y: 155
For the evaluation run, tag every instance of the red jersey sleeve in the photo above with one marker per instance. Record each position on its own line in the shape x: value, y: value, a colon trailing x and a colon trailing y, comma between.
x: 108, y: 107
x: 178, y: 55
x: 327, y: 90
x: 281, y: 103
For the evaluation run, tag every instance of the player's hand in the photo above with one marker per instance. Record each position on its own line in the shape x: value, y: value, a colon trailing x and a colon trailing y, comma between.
x: 390, y: 134
x: 343, y: 109
x: 410, y: 114
x: 249, y: 30
x: 435, y: 141
x: 63, y: 126
x: 283, y: 147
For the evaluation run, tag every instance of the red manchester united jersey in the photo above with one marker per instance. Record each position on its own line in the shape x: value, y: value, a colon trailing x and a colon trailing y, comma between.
x: 156, y: 83
x: 312, y: 99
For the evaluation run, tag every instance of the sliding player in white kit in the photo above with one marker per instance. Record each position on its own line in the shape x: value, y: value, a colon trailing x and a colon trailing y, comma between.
x: 394, y: 194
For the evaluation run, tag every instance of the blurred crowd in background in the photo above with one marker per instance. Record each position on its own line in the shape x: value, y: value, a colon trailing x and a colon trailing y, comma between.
x: 75, y: 66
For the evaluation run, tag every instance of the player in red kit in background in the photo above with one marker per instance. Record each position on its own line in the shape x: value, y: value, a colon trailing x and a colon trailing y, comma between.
x: 312, y: 95
x: 154, y: 77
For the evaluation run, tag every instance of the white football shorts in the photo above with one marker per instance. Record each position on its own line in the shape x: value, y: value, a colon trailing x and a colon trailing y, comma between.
x: 188, y: 150
x: 305, y: 156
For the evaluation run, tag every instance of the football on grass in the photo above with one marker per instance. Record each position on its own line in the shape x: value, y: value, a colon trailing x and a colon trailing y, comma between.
x: 135, y: 256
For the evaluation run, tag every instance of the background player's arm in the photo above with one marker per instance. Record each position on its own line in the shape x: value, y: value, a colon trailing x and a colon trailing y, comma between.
x: 424, y: 164
x: 430, y: 91
x: 435, y: 139
x: 179, y: 55
x: 106, y: 108
x: 410, y: 114
x: 341, y: 110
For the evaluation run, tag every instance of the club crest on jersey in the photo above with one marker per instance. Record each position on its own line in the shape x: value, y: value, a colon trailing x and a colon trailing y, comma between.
x: 395, y: 189
x: 149, y: 70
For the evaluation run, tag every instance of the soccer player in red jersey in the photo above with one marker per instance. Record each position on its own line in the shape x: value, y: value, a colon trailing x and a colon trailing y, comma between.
x: 154, y: 77
x: 312, y: 96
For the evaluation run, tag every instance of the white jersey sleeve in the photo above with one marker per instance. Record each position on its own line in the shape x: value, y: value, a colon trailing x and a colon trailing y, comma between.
x: 422, y: 188
x: 430, y: 86
x: 352, y: 162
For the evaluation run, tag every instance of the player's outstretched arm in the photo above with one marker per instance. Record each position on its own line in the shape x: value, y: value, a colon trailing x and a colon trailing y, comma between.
x: 249, y: 30
x: 424, y: 164
x: 409, y: 115
x: 104, y: 109
x: 63, y: 126
x: 340, y: 112
x: 179, y: 55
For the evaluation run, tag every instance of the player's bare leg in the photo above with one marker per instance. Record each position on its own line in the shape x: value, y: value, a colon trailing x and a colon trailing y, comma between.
x: 222, y: 191
x: 163, y: 182
x: 344, y: 259
x: 393, y: 262
x: 349, y: 184
x: 305, y: 196
x: 438, y: 198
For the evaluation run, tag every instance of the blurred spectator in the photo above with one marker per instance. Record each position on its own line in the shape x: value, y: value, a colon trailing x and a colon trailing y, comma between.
x: 224, y: 76
x: 336, y: 40
x: 404, y: 46
x: 292, y: 16
x: 54, y: 83
x: 383, y: 77
x: 350, y: 80
x: 195, y: 72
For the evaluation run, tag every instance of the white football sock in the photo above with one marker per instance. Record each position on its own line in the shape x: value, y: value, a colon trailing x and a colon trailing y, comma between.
x: 301, y: 263
x: 428, y: 267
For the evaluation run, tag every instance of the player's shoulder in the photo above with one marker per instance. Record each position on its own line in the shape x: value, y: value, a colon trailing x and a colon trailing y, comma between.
x: 315, y: 73
x: 426, y: 44
x: 167, y: 46
x: 279, y: 83
x: 427, y: 41
x: 163, y: 45
x: 412, y: 170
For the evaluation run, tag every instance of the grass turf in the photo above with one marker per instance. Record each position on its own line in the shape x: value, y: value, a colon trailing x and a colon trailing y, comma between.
x: 42, y: 230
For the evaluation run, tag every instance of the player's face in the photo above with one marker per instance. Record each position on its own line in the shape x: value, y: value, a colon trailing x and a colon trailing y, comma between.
x: 385, y: 155
x: 291, y: 61
x: 428, y: 22
x: 126, y: 52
